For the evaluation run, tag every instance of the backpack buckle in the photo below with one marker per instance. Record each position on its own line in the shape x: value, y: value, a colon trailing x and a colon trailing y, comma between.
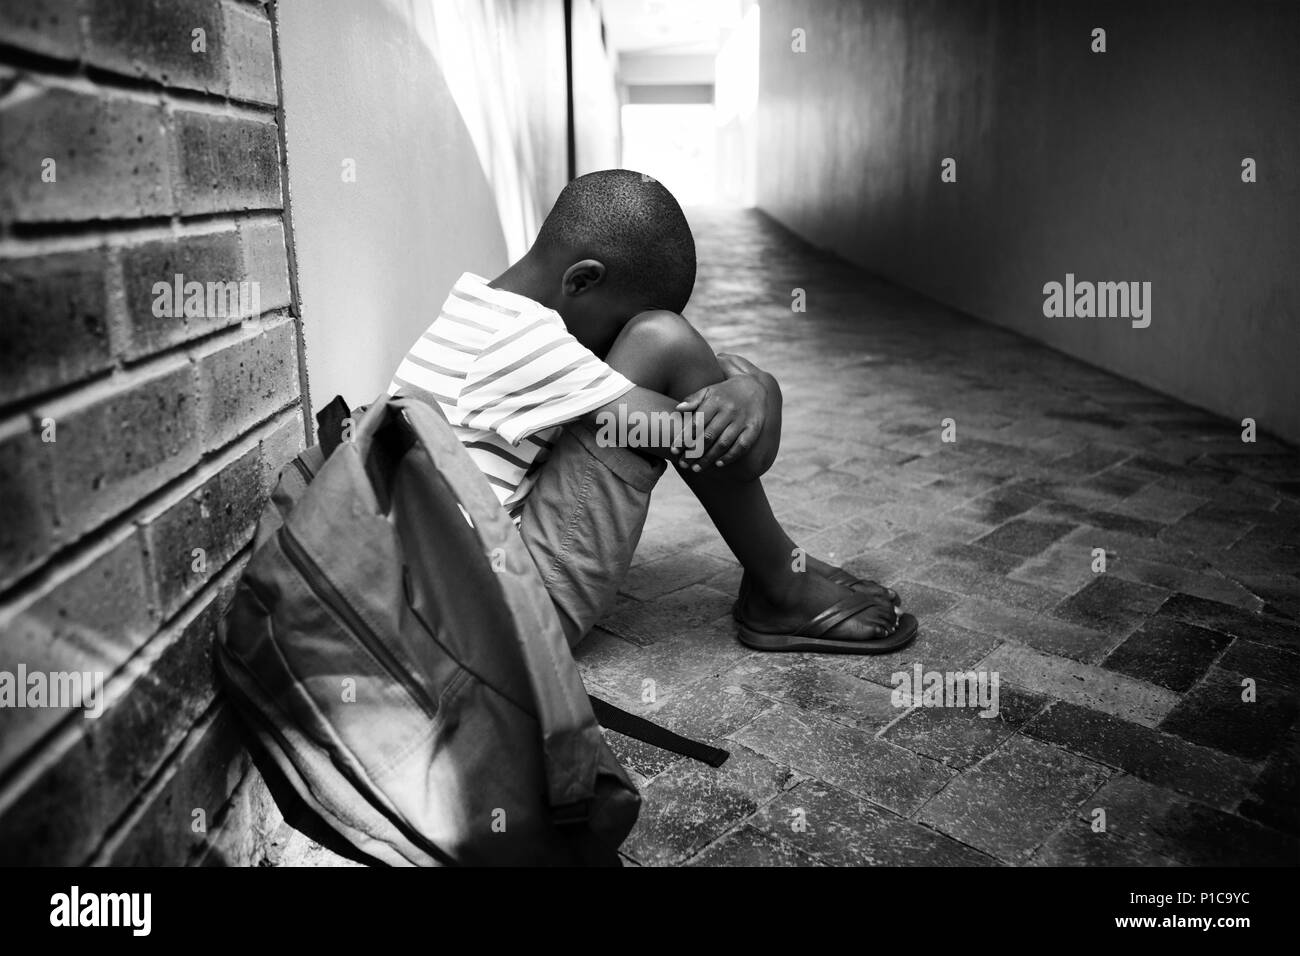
x: 574, y: 814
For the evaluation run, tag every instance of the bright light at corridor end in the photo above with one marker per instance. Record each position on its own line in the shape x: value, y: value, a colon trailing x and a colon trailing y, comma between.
x: 704, y: 152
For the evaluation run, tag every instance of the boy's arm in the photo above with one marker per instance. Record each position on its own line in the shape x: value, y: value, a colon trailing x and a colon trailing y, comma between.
x: 734, y: 422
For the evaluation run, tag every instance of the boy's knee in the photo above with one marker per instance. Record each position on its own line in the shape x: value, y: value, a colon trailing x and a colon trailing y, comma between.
x: 661, y: 351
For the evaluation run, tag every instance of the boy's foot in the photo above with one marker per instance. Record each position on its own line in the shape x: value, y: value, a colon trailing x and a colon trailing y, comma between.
x: 850, y: 580
x: 811, y: 613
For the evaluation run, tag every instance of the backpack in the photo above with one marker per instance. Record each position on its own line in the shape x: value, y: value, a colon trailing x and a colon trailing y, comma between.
x: 393, y: 649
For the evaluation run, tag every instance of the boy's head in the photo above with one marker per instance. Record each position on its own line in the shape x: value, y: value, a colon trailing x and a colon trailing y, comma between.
x: 615, y: 244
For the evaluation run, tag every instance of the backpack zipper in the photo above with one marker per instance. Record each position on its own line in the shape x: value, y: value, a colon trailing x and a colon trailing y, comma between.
x: 331, y: 598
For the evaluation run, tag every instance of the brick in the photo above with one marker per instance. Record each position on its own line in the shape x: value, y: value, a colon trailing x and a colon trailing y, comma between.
x: 684, y: 609
x: 217, y: 516
x: 110, y: 154
x: 27, y: 532
x: 246, y: 381
x: 840, y: 830
x: 747, y: 847
x: 91, y: 619
x: 1064, y: 568
x: 847, y: 758
x: 1189, y: 832
x: 1015, y: 799
x: 1095, y: 518
x: 673, y: 663
x: 280, y: 447
x: 200, y: 777
x: 1077, y: 844
x: 55, y: 330
x: 114, y: 756
x: 831, y: 693
x: 1160, y: 504
x: 49, y: 27
x: 1260, y: 660
x: 1033, y: 630
x: 1024, y: 537
x: 154, y: 40
x: 966, y: 580
x: 1110, y: 604
x: 266, y: 262
x: 249, y: 54
x: 1082, y: 684
x: 1237, y: 622
x: 1273, y: 797
x: 208, y: 258
x: 690, y: 805
x: 959, y: 736
x: 1157, y: 757
x: 1167, y: 652
x: 248, y: 828
x: 112, y: 452
x: 940, y: 645
x: 712, y: 707
x: 1214, y: 715
x: 225, y: 163
x: 648, y: 581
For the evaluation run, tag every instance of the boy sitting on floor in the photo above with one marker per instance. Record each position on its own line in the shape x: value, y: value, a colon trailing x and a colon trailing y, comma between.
x: 585, y: 329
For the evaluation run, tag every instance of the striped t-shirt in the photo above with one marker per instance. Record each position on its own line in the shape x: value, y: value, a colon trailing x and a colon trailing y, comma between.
x: 507, y: 375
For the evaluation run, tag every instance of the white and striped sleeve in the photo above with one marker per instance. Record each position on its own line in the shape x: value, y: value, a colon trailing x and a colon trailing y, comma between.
x: 532, y: 375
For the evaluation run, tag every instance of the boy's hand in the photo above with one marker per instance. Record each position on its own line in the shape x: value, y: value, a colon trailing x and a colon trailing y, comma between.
x: 732, y: 415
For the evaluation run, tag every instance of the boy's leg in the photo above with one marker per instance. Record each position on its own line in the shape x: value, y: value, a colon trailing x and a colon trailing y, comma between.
x: 782, y: 597
x: 584, y: 516
x: 582, y: 522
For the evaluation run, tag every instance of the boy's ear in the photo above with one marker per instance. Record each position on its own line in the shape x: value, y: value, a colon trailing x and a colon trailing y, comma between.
x: 583, y: 276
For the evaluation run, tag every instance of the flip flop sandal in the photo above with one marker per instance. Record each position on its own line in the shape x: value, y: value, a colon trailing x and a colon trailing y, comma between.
x: 817, y: 635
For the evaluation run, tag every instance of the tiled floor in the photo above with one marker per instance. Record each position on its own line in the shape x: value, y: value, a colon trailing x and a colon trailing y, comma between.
x: 1122, y: 735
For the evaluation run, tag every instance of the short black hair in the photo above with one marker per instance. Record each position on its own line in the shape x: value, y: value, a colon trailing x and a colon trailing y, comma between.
x: 632, y: 224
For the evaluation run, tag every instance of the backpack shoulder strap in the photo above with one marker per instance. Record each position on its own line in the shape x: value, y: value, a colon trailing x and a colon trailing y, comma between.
x: 647, y: 731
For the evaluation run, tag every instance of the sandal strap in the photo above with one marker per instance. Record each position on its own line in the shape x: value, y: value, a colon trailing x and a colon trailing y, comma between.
x: 838, y: 612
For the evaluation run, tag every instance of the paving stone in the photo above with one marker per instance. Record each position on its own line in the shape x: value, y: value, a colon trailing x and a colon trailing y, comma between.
x: 1168, y: 652
x: 1110, y: 604
x: 1025, y: 537
x: 1157, y: 757
x: 922, y: 600
x: 1159, y: 504
x: 1213, y: 714
x: 998, y: 506
x: 842, y: 830
x: 646, y: 582
x: 645, y: 622
x: 847, y: 758
x: 1062, y: 568
x: 1259, y: 660
x: 1189, y: 832
x: 801, y: 680
x: 1077, y: 844
x: 1012, y: 801
x: 967, y: 580
x: 940, y: 645
x: 1226, y: 619
x: 1168, y: 577
x: 960, y: 736
x: 1274, y: 798
x: 1034, y: 630
x: 1081, y: 683
x: 646, y: 760
x: 1096, y: 518
x: 746, y: 846
x: 711, y: 707
x: 691, y: 804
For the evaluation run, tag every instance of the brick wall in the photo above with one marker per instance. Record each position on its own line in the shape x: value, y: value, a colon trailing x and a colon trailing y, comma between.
x: 135, y: 449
